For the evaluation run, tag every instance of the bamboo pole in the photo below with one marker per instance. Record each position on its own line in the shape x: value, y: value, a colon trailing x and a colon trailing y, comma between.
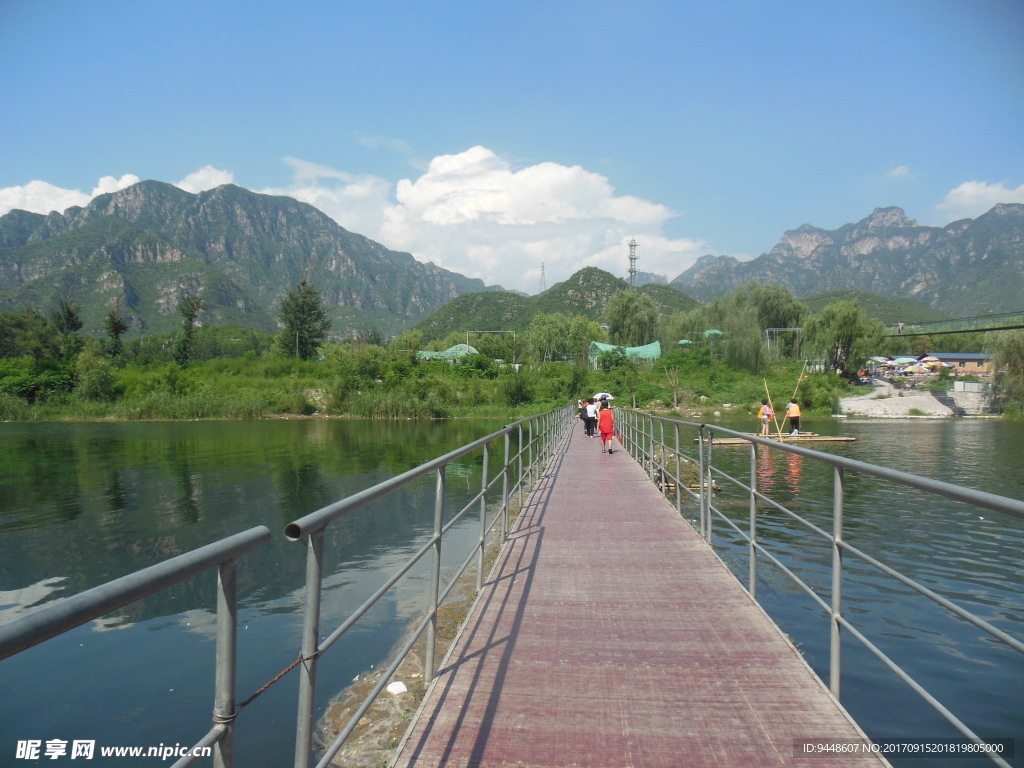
x: 775, y: 416
x: 797, y: 387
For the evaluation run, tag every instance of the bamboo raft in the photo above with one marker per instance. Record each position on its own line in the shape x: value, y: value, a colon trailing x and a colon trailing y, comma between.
x: 803, y: 437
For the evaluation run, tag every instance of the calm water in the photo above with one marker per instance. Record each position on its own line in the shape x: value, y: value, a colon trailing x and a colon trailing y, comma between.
x: 83, y: 504
x: 971, y: 557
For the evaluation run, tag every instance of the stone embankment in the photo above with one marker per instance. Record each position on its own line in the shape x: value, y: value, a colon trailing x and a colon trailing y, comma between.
x: 888, y: 402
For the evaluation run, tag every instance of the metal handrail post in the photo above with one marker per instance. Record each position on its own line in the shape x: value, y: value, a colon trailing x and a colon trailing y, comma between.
x: 679, y: 474
x: 310, y: 646
x: 429, y: 667
x: 504, y: 492
x: 752, y: 565
x: 531, y: 464
x: 700, y: 478
x: 483, y: 522
x: 226, y: 666
x: 835, y: 660
x: 649, y: 439
x: 707, y: 507
x: 519, y: 461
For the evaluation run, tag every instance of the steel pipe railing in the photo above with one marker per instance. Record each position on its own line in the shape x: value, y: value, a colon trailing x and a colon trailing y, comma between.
x: 654, y: 453
x: 52, y: 619
x: 536, y: 438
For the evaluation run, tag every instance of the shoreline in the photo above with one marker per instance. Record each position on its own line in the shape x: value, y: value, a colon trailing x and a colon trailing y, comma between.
x: 887, y: 402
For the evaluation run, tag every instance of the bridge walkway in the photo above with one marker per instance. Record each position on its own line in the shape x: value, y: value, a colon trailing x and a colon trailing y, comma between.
x: 610, y: 634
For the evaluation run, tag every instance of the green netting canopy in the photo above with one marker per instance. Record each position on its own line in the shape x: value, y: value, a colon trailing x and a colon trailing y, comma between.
x: 650, y: 351
x: 712, y: 332
x: 452, y: 353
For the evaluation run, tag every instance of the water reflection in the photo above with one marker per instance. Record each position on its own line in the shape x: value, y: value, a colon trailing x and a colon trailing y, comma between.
x: 82, y: 504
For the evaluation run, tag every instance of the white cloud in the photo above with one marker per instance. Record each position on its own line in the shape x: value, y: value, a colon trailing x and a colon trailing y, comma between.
x: 43, y: 197
x: 474, y: 214
x: 973, y: 198
x: 205, y: 178
x: 898, y: 172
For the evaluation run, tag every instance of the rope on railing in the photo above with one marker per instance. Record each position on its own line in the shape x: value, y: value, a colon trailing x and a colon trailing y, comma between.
x: 280, y: 675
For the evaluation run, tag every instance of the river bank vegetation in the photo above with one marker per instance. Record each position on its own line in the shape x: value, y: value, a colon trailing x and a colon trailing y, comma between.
x: 741, y: 347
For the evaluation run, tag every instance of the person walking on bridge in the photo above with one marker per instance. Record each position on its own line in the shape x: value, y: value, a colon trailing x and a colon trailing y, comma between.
x: 591, y: 419
x: 606, y: 426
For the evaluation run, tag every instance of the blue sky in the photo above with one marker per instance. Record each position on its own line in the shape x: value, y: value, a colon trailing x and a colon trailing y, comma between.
x: 492, y: 138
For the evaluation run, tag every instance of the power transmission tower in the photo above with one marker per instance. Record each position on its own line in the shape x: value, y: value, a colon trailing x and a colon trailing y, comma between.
x: 543, y: 280
x: 632, y: 262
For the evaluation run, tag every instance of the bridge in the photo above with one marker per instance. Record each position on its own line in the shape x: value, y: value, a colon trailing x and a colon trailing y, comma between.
x: 1001, y: 322
x: 609, y: 632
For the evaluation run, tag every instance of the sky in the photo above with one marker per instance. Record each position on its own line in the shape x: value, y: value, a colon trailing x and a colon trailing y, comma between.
x: 520, y: 142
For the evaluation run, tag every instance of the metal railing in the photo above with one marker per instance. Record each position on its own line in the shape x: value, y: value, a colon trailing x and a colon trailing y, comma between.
x: 644, y: 436
x: 52, y: 619
x: 536, y: 438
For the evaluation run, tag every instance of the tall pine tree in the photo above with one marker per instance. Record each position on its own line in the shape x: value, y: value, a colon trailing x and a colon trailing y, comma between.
x: 305, y: 322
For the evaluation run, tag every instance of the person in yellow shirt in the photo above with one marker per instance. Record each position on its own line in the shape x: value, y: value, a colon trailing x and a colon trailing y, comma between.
x: 793, y: 414
x: 765, y: 415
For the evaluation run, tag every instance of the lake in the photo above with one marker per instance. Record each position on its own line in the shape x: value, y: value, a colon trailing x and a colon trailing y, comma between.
x: 81, y: 504
x: 971, y: 557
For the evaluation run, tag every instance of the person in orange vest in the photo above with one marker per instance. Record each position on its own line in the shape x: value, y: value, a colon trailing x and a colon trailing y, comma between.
x: 793, y: 414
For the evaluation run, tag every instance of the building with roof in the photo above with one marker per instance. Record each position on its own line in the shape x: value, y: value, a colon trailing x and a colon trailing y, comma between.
x: 966, y: 362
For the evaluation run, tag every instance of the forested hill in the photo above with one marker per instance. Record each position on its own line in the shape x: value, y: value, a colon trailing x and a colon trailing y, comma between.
x: 585, y: 293
x: 151, y: 243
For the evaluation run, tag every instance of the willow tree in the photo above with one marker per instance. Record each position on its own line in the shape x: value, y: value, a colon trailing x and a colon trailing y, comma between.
x: 842, y: 335
x: 632, y: 318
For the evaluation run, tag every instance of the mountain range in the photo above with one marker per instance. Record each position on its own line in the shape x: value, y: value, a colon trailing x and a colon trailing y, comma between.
x: 148, y: 245
x: 970, y: 267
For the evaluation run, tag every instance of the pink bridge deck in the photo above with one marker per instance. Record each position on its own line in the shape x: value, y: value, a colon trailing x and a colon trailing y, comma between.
x: 611, y: 635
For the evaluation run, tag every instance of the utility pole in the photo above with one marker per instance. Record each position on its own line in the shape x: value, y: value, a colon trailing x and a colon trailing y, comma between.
x: 632, y: 262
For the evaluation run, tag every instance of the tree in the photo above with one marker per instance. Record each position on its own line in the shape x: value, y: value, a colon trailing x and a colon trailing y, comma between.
x: 189, y: 307
x: 116, y: 326
x: 1007, y: 348
x: 632, y: 318
x: 28, y: 333
x: 305, y: 322
x: 67, y: 322
x: 842, y: 335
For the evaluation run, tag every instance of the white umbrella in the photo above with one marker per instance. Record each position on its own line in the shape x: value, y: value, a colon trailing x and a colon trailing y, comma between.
x: 604, y: 396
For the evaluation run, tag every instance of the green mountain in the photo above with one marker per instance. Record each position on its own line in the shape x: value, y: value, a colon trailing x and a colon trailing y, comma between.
x: 151, y: 243
x: 585, y: 293
x: 967, y: 268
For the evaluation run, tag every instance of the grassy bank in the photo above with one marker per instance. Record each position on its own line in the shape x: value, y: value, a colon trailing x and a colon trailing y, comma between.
x: 375, y: 383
